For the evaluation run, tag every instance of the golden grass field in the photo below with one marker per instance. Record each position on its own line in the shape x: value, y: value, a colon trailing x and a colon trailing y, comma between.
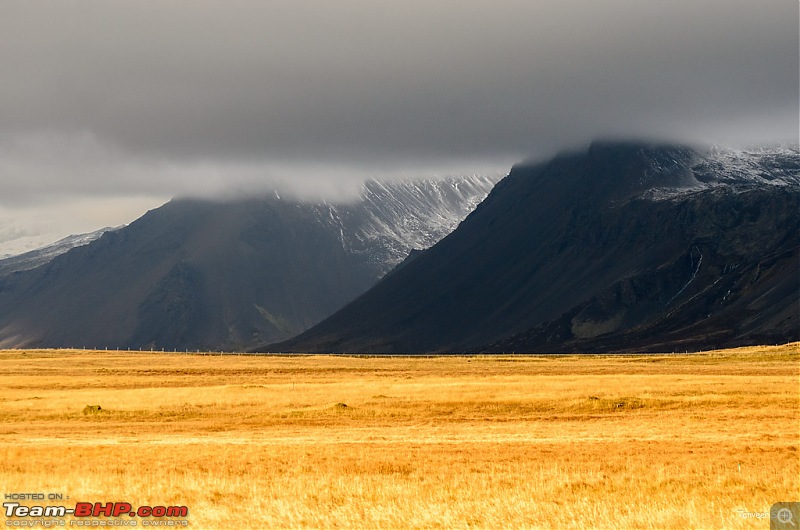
x: 655, y: 441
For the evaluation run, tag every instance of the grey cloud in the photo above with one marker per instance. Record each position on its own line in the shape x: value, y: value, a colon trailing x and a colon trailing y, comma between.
x: 142, y: 94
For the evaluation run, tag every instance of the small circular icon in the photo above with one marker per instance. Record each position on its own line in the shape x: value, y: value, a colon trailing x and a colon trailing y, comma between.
x: 785, y: 516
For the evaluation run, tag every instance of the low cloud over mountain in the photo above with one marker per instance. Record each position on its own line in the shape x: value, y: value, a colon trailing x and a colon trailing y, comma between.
x: 201, y: 274
x: 624, y: 246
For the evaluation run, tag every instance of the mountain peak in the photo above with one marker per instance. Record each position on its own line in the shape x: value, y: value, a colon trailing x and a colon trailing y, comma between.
x: 613, y: 170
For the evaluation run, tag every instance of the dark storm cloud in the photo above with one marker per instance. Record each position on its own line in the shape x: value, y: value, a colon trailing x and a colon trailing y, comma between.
x: 176, y: 97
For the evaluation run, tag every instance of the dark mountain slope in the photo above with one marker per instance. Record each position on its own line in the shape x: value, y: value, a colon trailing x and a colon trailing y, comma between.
x: 211, y: 275
x: 624, y: 246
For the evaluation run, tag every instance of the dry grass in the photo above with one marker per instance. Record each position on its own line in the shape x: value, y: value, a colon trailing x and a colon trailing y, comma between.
x: 657, y: 441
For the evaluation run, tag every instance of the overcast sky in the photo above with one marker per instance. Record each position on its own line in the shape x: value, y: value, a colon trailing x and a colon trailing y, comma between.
x: 109, y: 108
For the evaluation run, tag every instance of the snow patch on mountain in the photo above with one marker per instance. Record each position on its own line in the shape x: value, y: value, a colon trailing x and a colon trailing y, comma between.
x: 42, y: 255
x: 738, y: 170
x: 394, y: 217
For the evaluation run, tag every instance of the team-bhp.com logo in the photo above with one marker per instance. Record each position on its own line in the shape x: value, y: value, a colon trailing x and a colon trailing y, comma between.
x: 87, y: 514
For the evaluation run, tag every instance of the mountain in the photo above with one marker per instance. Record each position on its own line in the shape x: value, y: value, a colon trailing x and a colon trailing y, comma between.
x: 40, y: 256
x: 201, y: 274
x: 624, y: 246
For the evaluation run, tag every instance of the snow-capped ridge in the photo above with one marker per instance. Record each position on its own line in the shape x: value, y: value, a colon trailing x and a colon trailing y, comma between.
x: 738, y: 170
x: 394, y: 217
x: 34, y: 258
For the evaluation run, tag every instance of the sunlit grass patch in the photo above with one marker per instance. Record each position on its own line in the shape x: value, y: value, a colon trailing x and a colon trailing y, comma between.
x: 664, y: 441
